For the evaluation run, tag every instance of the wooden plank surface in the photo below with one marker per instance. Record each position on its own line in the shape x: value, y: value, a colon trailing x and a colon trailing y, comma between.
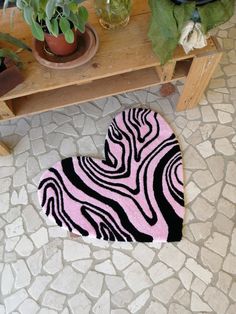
x: 201, y: 71
x: 6, y: 110
x: 4, y: 150
x: 75, y: 94
x: 120, y: 51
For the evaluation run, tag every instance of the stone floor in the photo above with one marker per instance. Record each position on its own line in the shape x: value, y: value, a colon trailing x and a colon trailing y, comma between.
x: 45, y: 271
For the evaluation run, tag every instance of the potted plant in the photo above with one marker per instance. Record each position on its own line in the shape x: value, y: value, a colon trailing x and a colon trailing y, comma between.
x: 10, y: 62
x: 58, y: 22
x: 170, y: 16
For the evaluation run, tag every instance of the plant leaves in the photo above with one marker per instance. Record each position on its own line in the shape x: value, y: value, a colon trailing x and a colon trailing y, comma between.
x: 50, y: 8
x: 14, y: 41
x: 216, y: 13
x: 37, y: 31
x: 66, y: 30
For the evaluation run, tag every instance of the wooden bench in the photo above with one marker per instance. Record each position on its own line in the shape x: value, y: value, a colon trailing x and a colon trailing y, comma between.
x: 124, y: 62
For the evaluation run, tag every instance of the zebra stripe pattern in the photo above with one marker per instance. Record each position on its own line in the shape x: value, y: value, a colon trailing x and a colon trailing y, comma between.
x: 134, y: 194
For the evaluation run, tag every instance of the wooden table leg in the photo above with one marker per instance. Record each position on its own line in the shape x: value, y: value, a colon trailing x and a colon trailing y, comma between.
x: 200, y: 73
x: 6, y: 110
x: 166, y: 72
x: 4, y: 150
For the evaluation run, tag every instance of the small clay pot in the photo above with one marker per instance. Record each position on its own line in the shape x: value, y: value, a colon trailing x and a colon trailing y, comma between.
x: 10, y: 77
x: 59, y: 46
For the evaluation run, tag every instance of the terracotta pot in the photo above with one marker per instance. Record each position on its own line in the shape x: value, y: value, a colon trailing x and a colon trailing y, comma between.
x: 59, y: 46
x: 10, y: 77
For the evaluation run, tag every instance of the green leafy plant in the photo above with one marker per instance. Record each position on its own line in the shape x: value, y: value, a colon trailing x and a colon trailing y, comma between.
x: 10, y: 53
x: 168, y: 20
x: 54, y: 17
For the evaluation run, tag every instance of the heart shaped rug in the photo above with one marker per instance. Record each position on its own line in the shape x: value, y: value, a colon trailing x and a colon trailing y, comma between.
x: 134, y: 194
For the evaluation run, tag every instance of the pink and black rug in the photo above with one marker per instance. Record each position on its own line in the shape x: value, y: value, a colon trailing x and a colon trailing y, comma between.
x: 134, y: 194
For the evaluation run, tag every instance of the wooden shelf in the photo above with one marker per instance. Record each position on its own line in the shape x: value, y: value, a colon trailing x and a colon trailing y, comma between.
x: 76, y: 94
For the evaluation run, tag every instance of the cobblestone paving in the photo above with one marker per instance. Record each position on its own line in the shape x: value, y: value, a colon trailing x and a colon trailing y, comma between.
x: 45, y: 271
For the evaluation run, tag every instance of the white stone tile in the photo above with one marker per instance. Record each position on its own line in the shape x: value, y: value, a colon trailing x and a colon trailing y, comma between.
x: 171, y: 256
x: 136, y: 277
x: 218, y: 243
x: 106, y: 268
x: 14, y: 300
x: 89, y: 286
x: 24, y: 247
x: 39, y: 285
x: 87, y: 147
x: 114, y: 283
x: 159, y: 272
x: 231, y: 173
x: 119, y: 311
x: 101, y: 254
x: 197, y: 305
x: 229, y: 264
x: 34, y: 263
x: 15, y: 228
x: 54, y: 264
x: 143, y: 254
x: 73, y: 251
x: 121, y: 260
x: 199, y: 271
x: 202, y: 209
x: 67, y: 281
x: 80, y: 304
x: 232, y: 292
x: 22, y: 146
x: 186, y: 277
x: 211, y: 260
x: 7, y: 280
x: 68, y: 147
x: 103, y: 305
x: 224, y: 147
x: 19, y: 198
x: 112, y: 106
x: 216, y: 299
x: 4, y: 203
x: 164, y: 291
x: 40, y: 237
x: 91, y: 110
x: 156, y: 307
x: 38, y: 147
x: 82, y: 266
x: 229, y: 192
x: 224, y: 281
x: 36, y: 133
x: 32, y: 166
x: 191, y: 192
x: 137, y: 304
x: 4, y: 185
x: 10, y: 243
x: 31, y: 218
x: 49, y: 159
x: 23, y: 276
x: 205, y: 149
x: 201, y: 230
x: 57, y: 232
x: 60, y: 118
x: 203, y: 178
x: 67, y: 129
x: 78, y: 120
x: 29, y: 306
x: 89, y: 127
x: 6, y: 171
x: 53, y: 300
x: 223, y: 224
x: 122, y: 298
x: 198, y: 286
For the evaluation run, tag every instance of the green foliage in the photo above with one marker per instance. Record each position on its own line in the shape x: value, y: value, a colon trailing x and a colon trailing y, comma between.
x: 168, y: 19
x: 54, y: 17
x: 6, y: 52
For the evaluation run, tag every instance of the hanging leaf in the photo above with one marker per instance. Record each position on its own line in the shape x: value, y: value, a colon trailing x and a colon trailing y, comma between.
x: 216, y: 13
x: 37, y: 31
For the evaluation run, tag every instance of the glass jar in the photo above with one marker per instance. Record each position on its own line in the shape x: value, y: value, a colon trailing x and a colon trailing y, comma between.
x: 113, y: 13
